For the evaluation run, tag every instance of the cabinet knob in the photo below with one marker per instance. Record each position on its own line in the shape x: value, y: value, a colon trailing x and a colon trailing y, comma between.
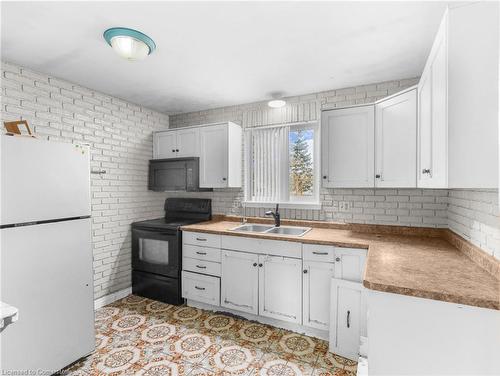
x: 173, y: 150
x: 426, y: 171
x: 378, y: 176
x: 260, y: 265
x: 337, y: 259
x: 224, y: 179
x: 324, y: 176
x: 305, y: 271
x: 254, y: 264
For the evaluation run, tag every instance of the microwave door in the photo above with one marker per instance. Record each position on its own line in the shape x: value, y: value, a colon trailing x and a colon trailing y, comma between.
x: 168, y: 177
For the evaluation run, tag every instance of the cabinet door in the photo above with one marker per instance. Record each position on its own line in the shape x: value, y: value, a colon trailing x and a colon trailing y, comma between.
x: 316, y: 294
x: 213, y: 156
x: 396, y: 141
x: 348, y: 147
x: 439, y: 113
x: 348, y: 317
x: 239, y: 281
x: 424, y: 132
x: 164, y: 145
x: 432, y: 171
x: 350, y: 263
x: 280, y: 288
x: 188, y: 142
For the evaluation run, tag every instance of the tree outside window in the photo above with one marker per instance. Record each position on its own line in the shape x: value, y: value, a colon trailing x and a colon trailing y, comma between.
x: 301, y: 144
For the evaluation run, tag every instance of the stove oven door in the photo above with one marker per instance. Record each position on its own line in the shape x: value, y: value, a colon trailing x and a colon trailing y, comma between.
x: 156, y: 252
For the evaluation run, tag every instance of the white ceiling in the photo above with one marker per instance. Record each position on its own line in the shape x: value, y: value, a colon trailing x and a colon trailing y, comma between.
x: 215, y: 54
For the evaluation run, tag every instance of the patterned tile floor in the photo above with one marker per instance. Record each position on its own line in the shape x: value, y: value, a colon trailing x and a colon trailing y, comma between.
x: 138, y: 336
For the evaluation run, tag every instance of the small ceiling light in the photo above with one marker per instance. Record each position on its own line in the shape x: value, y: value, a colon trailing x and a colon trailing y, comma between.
x: 128, y: 43
x: 276, y: 103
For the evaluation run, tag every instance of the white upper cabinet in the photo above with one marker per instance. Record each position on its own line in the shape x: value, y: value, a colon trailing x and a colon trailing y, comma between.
x: 280, y: 288
x: 217, y: 145
x: 348, y: 147
x: 433, y: 124
x: 176, y: 143
x: 395, y: 141
x: 188, y: 142
x: 458, y: 101
x: 164, y: 144
x: 220, y: 156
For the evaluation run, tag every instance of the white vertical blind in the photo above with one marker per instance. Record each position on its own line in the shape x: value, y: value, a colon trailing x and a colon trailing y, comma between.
x: 267, y: 168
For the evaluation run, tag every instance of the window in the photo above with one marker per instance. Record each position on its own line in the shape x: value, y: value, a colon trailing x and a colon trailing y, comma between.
x: 282, y: 164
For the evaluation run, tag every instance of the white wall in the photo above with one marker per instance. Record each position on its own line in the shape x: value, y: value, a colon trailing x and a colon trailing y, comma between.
x: 120, y: 137
x: 474, y: 215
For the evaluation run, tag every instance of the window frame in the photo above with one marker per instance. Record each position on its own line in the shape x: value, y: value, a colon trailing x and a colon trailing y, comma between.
x: 288, y: 201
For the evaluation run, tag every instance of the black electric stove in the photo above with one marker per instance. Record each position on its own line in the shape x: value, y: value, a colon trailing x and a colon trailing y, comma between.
x: 157, y: 249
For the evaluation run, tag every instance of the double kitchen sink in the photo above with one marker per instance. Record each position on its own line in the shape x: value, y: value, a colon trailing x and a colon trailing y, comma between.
x: 266, y: 229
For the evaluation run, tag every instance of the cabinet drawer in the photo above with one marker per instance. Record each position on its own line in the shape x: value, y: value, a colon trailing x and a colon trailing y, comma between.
x: 201, y: 288
x: 317, y: 252
x: 201, y: 253
x: 201, y: 266
x: 205, y: 240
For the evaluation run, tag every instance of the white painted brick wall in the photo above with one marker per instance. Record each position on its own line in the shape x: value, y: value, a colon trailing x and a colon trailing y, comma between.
x: 474, y: 215
x: 120, y: 137
x: 413, y: 207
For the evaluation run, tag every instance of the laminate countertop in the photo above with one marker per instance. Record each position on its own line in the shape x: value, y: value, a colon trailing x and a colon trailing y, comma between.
x: 401, y: 261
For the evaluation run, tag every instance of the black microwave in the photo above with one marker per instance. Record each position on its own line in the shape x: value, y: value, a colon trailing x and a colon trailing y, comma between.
x: 175, y: 174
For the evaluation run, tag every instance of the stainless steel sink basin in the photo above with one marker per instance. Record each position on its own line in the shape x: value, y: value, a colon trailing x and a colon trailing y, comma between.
x: 252, y: 228
x: 294, y: 231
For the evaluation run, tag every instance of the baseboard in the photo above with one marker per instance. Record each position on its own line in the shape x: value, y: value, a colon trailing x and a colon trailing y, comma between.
x: 108, y: 299
x: 301, y: 329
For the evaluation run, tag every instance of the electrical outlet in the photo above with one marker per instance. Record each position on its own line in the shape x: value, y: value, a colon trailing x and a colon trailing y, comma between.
x: 345, y: 205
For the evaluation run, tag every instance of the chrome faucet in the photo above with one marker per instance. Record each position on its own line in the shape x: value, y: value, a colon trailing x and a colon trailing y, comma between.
x: 276, y: 215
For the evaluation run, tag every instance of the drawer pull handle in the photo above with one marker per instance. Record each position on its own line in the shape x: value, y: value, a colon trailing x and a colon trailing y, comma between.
x: 201, y: 239
x: 320, y: 253
x: 348, y: 319
x: 199, y: 288
x: 201, y: 267
x: 201, y: 253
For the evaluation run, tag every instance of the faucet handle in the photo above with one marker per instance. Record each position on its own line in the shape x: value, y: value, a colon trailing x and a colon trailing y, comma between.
x: 269, y: 212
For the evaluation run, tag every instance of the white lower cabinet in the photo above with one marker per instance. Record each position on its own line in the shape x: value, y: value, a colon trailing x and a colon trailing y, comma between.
x: 202, y: 288
x: 316, y: 287
x: 280, y: 288
x: 316, y: 279
x: 240, y: 281
x: 350, y: 263
x: 348, y: 317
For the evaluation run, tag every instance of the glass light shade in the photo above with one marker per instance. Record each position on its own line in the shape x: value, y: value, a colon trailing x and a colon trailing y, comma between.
x: 130, y: 48
x: 129, y: 43
x: 276, y: 103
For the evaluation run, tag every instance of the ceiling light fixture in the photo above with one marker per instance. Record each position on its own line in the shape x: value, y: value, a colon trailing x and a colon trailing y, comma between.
x: 277, y: 101
x: 129, y: 43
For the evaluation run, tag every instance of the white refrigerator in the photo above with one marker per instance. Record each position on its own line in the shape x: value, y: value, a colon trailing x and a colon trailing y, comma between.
x: 45, y: 255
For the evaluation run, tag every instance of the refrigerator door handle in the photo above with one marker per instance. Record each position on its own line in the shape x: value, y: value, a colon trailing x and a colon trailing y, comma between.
x: 8, y: 314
